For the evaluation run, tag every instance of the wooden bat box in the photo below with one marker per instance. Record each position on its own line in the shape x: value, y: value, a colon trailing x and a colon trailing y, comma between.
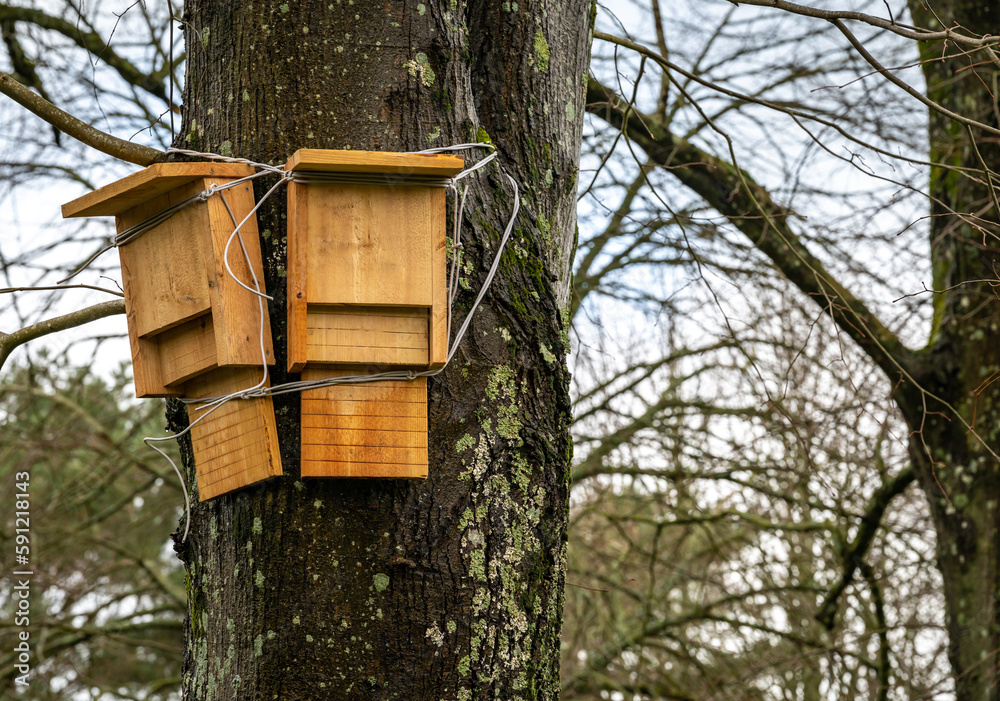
x: 194, y: 332
x: 367, y: 292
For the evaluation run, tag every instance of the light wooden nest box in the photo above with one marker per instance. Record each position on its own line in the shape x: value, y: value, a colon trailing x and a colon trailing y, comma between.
x: 367, y: 292
x: 195, y: 332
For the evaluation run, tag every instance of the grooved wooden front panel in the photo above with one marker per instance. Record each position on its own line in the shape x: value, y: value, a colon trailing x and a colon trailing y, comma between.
x: 366, y: 245
x: 187, y: 350
x: 374, y: 335
x: 237, y: 444
x: 374, y: 429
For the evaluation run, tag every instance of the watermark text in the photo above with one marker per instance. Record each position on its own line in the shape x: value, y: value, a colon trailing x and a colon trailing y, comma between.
x: 22, y: 576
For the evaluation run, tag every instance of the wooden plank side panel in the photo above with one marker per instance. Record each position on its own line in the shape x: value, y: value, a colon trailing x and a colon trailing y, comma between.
x: 237, y: 311
x: 438, y: 347
x: 365, y: 438
x: 368, y: 356
x: 405, y: 319
x: 237, y: 444
x: 369, y: 245
x: 334, y: 406
x: 401, y: 339
x: 374, y: 429
x: 146, y: 369
x: 147, y: 276
x: 412, y: 455
x: 187, y: 350
x: 297, y: 274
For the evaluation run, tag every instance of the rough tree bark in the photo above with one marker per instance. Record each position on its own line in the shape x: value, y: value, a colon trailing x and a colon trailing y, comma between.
x: 959, y: 471
x: 449, y: 588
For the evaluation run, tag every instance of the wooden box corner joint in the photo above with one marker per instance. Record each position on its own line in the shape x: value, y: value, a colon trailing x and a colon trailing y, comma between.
x: 367, y: 292
x: 193, y: 330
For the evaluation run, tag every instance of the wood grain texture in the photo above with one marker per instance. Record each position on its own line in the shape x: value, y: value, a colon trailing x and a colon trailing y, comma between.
x: 369, y: 245
x: 147, y: 184
x: 372, y: 423
x: 237, y: 313
x: 374, y: 429
x: 438, y: 348
x: 297, y: 274
x: 174, y: 273
x: 187, y: 350
x: 164, y: 273
x: 237, y: 444
x: 357, y: 334
x: 163, y: 290
x: 322, y: 160
x: 366, y: 246
x: 147, y: 372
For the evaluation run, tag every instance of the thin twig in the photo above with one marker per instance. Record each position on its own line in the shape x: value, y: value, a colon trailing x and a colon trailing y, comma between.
x: 5, y: 290
x: 580, y: 586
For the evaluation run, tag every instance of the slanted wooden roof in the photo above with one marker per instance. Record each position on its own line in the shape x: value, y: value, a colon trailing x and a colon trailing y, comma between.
x: 155, y: 180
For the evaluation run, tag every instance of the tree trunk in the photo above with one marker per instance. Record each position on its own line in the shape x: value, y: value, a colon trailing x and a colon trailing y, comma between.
x: 449, y: 588
x: 958, y: 468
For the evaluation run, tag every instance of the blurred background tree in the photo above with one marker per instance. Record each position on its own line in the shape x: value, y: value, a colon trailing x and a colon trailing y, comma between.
x: 108, y: 604
x: 761, y: 174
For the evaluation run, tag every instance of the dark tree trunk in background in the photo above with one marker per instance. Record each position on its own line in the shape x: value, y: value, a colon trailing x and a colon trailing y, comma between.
x: 956, y: 469
x: 449, y: 588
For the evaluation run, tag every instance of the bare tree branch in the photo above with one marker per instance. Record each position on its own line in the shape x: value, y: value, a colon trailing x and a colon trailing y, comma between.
x: 986, y: 42
x: 910, y: 90
x: 884, y: 664
x: 10, y: 341
x: 81, y: 131
x: 721, y: 185
x: 854, y: 554
x: 91, y: 42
